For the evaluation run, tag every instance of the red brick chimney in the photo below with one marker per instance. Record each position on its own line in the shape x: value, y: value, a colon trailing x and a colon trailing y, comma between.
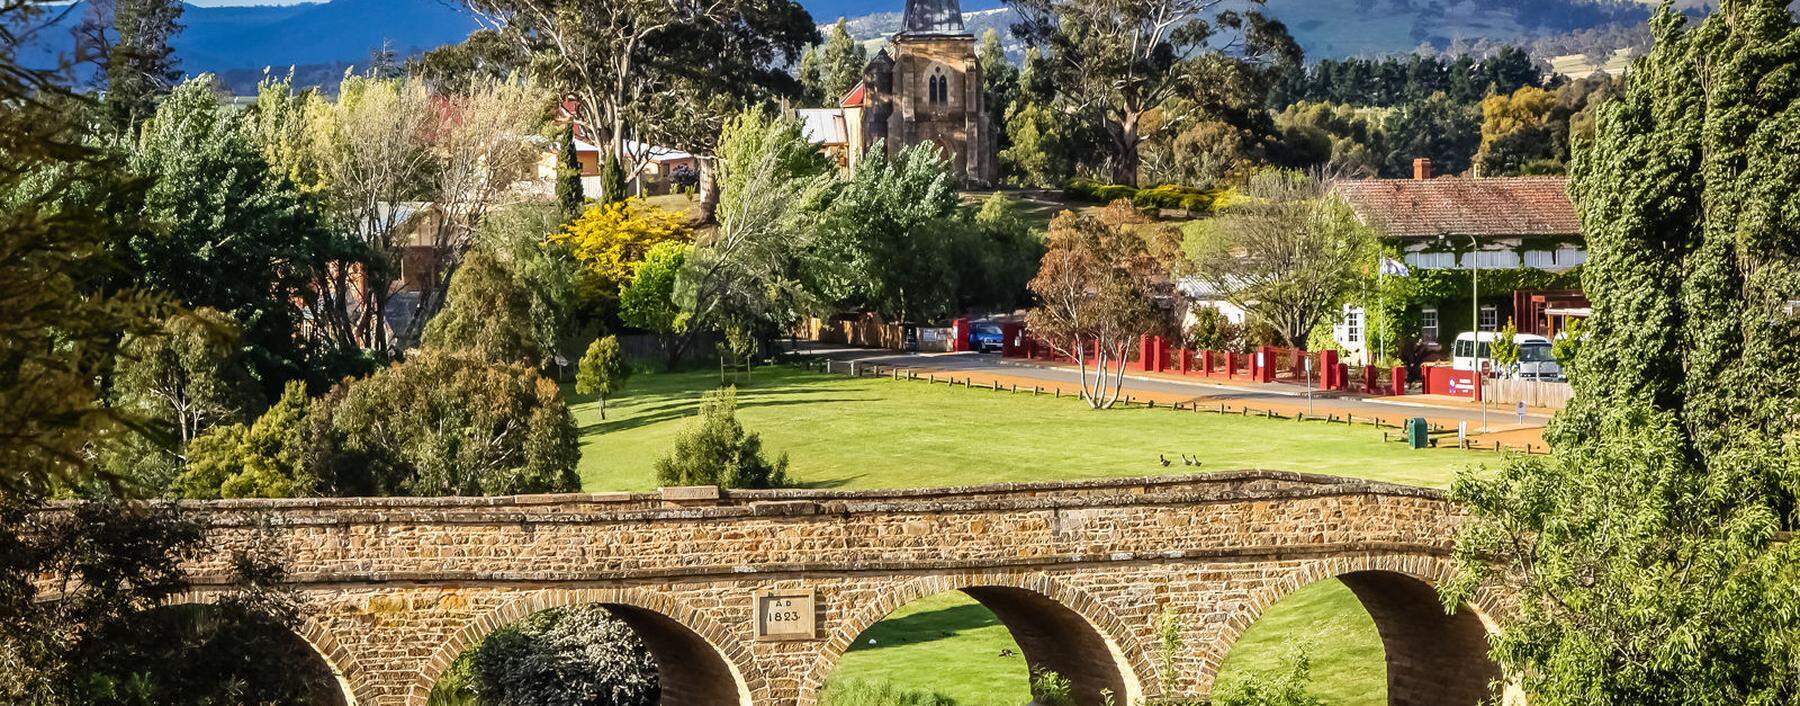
x: 1422, y: 168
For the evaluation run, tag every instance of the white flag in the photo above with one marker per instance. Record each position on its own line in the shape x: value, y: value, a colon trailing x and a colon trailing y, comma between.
x: 1394, y: 267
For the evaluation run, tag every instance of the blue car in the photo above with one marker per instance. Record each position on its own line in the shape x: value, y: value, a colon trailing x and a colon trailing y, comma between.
x: 987, y: 338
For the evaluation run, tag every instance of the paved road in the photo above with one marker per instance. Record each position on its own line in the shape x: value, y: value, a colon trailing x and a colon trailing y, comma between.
x: 1278, y: 395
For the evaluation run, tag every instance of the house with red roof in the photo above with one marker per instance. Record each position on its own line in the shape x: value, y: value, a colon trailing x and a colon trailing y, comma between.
x: 1518, y: 239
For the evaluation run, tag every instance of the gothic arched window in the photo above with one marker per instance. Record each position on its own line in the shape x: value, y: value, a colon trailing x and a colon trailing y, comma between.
x: 939, y: 88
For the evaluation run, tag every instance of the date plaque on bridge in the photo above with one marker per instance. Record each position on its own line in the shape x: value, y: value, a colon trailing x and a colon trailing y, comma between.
x: 785, y: 615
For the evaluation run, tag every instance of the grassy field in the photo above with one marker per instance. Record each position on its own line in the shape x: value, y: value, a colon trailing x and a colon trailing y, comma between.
x: 844, y: 432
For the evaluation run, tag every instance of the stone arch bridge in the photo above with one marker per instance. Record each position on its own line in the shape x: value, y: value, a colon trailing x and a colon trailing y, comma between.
x: 748, y: 598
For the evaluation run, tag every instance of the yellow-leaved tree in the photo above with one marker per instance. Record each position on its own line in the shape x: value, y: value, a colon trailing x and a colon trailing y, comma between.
x: 609, y: 238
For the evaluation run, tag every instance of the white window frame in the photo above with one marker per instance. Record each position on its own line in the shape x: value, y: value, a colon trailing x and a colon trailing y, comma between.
x: 1353, y: 325
x: 1429, y: 324
x: 1489, y: 318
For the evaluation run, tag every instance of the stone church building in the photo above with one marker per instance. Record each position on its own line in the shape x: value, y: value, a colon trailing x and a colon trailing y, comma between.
x: 924, y: 88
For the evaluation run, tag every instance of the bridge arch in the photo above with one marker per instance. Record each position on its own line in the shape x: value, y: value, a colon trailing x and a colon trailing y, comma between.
x: 353, y: 682
x: 1433, y: 656
x: 1056, y: 626
x: 698, y: 661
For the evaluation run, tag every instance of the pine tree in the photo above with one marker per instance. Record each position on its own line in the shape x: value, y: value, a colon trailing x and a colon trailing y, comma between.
x: 140, y: 65
x: 841, y: 62
x: 1647, y: 556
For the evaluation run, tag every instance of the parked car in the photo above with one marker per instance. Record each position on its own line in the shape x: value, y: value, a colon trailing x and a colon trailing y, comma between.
x: 1535, y: 361
x: 987, y: 337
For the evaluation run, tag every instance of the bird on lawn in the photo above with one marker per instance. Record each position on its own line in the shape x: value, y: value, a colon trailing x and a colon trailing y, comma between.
x: 1185, y: 461
x: 1164, y: 459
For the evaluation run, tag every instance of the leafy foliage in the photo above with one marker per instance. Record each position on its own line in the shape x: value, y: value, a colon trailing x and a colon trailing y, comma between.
x: 184, y: 379
x: 1287, y: 689
x: 450, y: 424
x: 1119, y: 60
x: 1647, y: 555
x: 855, y: 692
x: 1094, y: 293
x: 227, y: 231
x: 1287, y: 253
x: 714, y: 449
x: 579, y: 655
x: 487, y: 315
x: 603, y: 371
x: 883, y: 244
x: 1397, y: 80
x: 838, y: 66
x: 267, y: 459
x: 648, y: 300
x: 609, y: 237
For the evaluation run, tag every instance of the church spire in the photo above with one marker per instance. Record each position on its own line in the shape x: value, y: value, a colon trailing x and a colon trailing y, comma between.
x: 938, y: 17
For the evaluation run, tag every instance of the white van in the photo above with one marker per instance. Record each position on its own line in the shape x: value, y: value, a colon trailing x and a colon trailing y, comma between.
x: 1535, y: 361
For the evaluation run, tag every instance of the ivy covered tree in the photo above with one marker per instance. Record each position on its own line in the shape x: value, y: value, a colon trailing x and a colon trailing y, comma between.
x: 1649, y: 555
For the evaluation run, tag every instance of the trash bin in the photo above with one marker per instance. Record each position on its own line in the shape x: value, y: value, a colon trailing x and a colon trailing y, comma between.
x: 1418, y: 433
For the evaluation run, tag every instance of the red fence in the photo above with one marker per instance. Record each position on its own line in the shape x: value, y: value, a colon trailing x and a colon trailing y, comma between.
x: 1266, y: 364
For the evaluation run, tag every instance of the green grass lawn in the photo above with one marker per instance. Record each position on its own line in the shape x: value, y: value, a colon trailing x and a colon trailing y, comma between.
x: 951, y: 646
x: 1326, y: 622
x: 842, y: 432
x: 947, y: 644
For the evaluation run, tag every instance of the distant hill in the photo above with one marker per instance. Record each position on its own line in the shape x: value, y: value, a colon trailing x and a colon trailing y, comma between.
x: 219, y: 39
x: 323, y: 38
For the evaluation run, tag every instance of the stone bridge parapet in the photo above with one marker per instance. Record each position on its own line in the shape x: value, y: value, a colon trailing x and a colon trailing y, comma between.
x: 750, y: 597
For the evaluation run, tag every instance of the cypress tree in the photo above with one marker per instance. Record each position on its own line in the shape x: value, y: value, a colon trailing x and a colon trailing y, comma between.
x: 569, y: 194
x: 612, y: 180
x: 1648, y: 556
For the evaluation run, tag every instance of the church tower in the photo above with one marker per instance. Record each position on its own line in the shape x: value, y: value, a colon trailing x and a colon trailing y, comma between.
x: 928, y: 90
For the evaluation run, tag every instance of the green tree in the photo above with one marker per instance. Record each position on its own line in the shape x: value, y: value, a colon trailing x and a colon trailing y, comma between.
x: 603, y: 371
x: 569, y: 192
x: 1648, y: 555
x: 487, y: 314
x: 1437, y: 128
x: 227, y: 231
x: 774, y: 184
x: 577, y: 655
x: 138, y: 62
x: 883, y: 244
x: 266, y: 459
x: 839, y: 65
x: 1505, y: 351
x: 448, y: 424
x: 1125, y: 59
x: 648, y: 300
x: 1287, y: 253
x: 184, y: 379
x: 993, y: 255
x: 612, y: 180
x: 714, y: 449
x: 999, y: 83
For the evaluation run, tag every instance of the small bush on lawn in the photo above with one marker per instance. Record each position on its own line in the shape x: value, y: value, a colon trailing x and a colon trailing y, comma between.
x: 714, y: 449
x: 853, y: 692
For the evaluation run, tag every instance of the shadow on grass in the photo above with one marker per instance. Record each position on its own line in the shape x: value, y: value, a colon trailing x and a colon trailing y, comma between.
x: 826, y: 483
x: 687, y: 408
x: 924, y: 627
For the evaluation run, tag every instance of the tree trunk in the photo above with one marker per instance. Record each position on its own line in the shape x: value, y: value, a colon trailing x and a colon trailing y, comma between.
x: 602, y: 407
x: 709, y: 191
x: 1125, y: 148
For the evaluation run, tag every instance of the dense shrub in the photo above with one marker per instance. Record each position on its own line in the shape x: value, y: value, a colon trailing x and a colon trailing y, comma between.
x: 450, y: 424
x: 1172, y: 196
x: 715, y: 450
x: 560, y: 657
